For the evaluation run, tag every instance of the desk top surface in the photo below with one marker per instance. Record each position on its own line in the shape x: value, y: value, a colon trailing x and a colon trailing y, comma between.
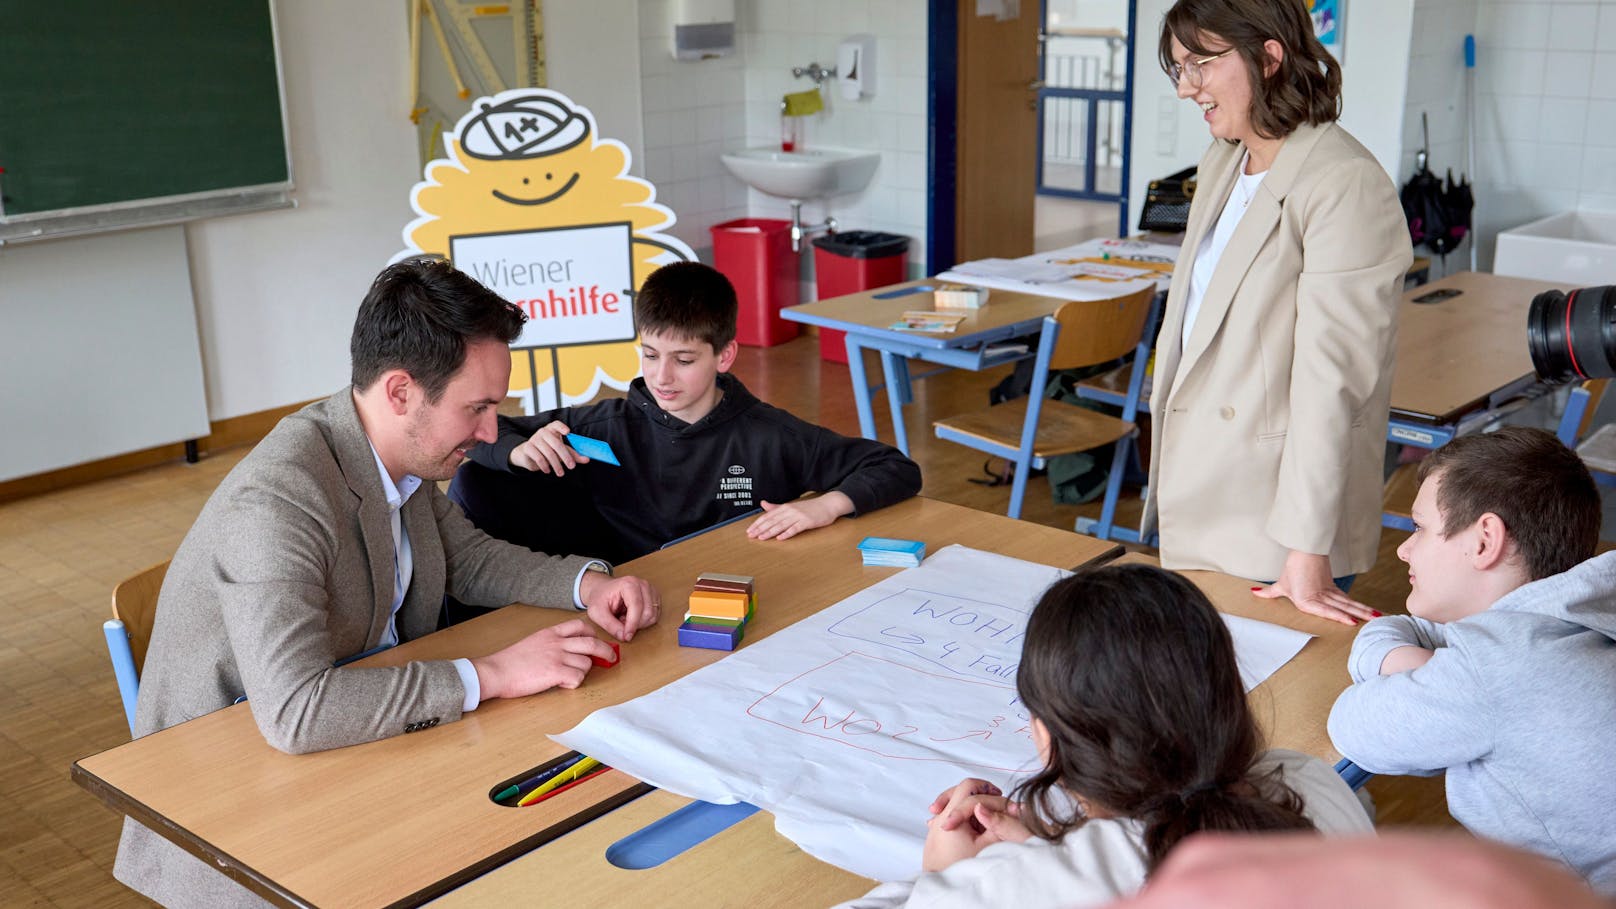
x: 1453, y: 354
x: 866, y: 313
x: 1291, y: 707
x: 405, y: 818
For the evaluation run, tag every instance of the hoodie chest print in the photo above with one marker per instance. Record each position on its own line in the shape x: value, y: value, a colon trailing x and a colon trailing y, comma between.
x: 735, y: 487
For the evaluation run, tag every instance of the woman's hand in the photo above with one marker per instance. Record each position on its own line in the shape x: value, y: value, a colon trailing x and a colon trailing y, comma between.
x: 1306, y: 581
x: 967, y: 819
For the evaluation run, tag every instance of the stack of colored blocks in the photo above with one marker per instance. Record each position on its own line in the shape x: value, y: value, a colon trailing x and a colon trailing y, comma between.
x: 720, y: 607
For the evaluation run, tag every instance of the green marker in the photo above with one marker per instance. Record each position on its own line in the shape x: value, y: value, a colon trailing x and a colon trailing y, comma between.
x: 507, y: 792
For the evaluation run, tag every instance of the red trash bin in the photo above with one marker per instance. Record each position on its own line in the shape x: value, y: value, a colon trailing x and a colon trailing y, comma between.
x: 851, y: 261
x: 755, y: 255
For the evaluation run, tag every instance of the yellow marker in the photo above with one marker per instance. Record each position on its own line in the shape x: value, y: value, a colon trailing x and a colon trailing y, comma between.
x: 582, y: 768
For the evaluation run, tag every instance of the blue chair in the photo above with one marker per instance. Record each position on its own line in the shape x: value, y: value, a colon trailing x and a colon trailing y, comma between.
x: 1029, y: 431
x: 1597, y: 448
x: 134, y: 609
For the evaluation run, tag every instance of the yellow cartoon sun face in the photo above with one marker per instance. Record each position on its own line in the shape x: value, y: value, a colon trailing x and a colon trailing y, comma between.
x: 529, y: 160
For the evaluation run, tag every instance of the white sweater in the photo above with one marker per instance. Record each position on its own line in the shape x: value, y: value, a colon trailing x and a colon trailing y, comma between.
x: 1101, y: 860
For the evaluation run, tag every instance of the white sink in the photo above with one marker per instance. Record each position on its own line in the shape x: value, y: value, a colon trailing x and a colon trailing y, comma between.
x: 814, y: 173
x: 1576, y: 248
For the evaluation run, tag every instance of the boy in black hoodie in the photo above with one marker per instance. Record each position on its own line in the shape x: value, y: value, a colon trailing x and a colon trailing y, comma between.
x: 696, y: 447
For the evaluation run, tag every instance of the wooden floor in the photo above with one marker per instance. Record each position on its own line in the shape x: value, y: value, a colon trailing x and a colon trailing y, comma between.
x: 62, y: 552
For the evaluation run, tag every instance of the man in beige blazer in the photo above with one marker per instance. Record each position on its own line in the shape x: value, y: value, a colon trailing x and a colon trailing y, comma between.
x: 1269, y: 424
x: 331, y: 538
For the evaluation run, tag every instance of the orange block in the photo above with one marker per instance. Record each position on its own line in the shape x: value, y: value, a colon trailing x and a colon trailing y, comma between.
x: 719, y: 605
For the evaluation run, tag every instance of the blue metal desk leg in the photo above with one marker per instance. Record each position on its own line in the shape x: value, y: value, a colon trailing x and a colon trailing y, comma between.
x: 896, y: 372
x: 861, y: 386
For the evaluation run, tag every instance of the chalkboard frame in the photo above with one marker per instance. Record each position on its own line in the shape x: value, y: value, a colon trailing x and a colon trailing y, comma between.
x: 159, y: 209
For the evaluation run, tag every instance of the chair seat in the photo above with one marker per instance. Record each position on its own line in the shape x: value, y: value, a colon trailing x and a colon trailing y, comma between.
x: 1062, y: 428
x: 1401, y: 488
x: 1598, y: 451
x: 1111, y: 386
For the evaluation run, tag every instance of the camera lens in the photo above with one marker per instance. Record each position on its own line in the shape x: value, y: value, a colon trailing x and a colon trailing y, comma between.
x: 1572, y: 336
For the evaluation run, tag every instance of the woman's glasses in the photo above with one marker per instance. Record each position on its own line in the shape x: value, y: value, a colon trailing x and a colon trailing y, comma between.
x: 1191, y: 69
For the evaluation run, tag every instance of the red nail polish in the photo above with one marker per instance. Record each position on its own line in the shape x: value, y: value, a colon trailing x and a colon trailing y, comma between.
x: 1375, y: 612
x: 1255, y: 589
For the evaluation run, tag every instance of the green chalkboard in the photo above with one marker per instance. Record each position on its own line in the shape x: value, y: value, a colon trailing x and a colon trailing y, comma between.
x: 115, y: 101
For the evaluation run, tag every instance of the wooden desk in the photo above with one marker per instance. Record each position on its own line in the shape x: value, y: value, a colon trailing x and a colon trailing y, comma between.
x: 865, y: 317
x: 1291, y: 707
x: 1461, y: 355
x: 404, y: 819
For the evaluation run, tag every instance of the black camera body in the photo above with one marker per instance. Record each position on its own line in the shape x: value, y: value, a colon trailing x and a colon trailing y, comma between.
x: 1572, y: 336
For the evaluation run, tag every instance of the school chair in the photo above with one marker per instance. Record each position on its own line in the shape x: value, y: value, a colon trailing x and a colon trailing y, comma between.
x: 1029, y: 431
x: 1598, y: 447
x: 134, y: 609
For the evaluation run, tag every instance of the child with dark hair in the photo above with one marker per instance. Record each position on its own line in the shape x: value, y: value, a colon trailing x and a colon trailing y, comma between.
x: 697, y: 448
x: 1502, y: 673
x: 1145, y: 735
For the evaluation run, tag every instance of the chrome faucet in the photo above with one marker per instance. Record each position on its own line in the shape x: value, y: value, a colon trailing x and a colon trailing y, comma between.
x: 800, y: 231
x: 815, y: 72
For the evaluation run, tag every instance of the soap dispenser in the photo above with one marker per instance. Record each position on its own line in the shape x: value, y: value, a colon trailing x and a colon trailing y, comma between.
x: 855, y: 67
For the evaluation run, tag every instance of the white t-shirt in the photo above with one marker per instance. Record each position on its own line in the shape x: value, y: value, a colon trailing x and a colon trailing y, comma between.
x: 1206, y: 258
x: 1101, y: 860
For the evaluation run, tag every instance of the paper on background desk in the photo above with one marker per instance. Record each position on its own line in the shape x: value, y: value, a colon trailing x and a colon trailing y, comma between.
x: 1091, y: 270
x: 847, y: 724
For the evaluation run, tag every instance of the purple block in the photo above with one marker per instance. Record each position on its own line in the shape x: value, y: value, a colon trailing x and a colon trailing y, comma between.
x: 709, y: 637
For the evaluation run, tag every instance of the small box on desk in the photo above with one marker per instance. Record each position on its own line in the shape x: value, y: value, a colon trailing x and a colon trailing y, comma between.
x: 957, y: 296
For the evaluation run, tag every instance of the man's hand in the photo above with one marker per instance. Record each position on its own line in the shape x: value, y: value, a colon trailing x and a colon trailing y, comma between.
x: 621, y: 606
x: 556, y: 657
x: 782, y: 522
x: 1307, y: 583
x: 547, y: 451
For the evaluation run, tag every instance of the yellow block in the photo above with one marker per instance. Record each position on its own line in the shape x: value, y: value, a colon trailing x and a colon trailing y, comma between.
x: 719, y: 605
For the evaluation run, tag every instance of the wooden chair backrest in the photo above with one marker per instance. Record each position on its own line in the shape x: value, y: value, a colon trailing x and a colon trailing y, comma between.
x: 1596, y: 393
x: 134, y: 603
x: 1098, y: 331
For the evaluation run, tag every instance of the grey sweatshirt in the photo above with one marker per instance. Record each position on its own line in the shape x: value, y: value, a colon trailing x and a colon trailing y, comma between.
x: 1518, y: 706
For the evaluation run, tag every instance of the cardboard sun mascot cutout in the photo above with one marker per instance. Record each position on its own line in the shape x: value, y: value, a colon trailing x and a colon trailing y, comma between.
x: 534, y: 204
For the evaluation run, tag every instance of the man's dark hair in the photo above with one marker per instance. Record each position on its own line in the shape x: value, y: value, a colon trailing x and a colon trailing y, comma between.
x: 419, y: 316
x: 1306, y: 85
x: 1537, y: 486
x: 689, y: 300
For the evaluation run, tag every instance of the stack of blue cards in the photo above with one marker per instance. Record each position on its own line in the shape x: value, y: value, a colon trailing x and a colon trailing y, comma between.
x: 891, y: 552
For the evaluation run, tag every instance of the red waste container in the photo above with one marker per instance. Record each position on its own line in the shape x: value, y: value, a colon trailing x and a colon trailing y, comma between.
x: 755, y: 254
x: 851, y: 261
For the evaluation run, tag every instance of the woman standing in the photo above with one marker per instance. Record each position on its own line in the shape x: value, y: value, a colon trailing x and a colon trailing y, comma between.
x: 1273, y: 368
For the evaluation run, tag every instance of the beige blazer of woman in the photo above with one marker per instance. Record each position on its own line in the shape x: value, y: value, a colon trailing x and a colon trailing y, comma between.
x: 1269, y: 424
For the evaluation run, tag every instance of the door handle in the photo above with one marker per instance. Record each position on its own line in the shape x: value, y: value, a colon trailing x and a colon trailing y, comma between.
x: 1035, y: 85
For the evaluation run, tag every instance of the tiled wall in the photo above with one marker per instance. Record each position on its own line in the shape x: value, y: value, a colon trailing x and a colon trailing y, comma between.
x: 694, y: 111
x: 781, y: 34
x: 1545, y: 106
x: 691, y: 112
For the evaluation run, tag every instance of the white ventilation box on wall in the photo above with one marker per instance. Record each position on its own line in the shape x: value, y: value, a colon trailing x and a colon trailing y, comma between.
x: 703, y: 29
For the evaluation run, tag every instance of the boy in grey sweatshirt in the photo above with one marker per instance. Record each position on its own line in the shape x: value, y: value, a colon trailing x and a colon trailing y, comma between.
x: 1504, y: 673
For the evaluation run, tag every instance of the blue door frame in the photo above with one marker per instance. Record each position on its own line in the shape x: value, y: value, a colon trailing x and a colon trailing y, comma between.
x: 942, y: 139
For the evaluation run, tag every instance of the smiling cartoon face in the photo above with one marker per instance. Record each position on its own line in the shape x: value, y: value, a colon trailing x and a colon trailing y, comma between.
x: 529, y: 159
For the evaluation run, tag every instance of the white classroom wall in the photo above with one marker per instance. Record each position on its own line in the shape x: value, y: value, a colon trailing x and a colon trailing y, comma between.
x: 276, y: 292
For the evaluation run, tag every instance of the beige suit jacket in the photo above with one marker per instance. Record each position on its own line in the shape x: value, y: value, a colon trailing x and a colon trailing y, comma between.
x: 1269, y: 424
x: 288, y: 569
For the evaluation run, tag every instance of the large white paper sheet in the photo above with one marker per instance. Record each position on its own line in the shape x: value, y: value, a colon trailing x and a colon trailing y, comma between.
x: 847, y: 724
